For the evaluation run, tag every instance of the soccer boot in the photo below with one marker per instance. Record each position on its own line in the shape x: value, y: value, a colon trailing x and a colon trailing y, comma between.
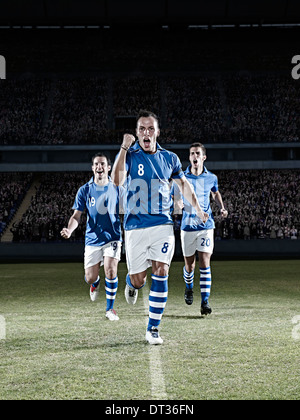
x: 112, y: 315
x: 131, y: 295
x: 188, y: 296
x: 94, y: 292
x: 153, y: 337
x: 205, y: 308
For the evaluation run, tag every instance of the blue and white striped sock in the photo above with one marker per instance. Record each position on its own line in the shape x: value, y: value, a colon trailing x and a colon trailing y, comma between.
x: 157, y: 300
x: 128, y: 281
x: 111, y: 287
x: 205, y: 283
x: 188, y: 278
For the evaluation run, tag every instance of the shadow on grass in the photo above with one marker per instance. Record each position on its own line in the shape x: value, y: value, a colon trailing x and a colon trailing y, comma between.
x: 186, y: 316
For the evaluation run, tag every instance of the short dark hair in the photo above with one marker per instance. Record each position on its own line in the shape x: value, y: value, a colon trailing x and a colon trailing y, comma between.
x: 197, y: 144
x: 143, y: 113
x: 100, y: 154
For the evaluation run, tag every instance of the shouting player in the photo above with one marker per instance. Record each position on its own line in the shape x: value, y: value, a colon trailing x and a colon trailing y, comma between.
x: 146, y: 169
x: 100, y: 198
x: 197, y: 236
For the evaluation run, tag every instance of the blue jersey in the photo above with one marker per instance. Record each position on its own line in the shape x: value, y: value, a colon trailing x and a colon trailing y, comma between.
x: 148, y: 198
x: 203, y: 184
x: 102, y: 206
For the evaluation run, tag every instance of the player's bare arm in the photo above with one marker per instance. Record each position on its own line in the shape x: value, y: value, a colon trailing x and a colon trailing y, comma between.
x: 72, y: 225
x: 218, y: 199
x: 189, y: 194
x: 118, y: 173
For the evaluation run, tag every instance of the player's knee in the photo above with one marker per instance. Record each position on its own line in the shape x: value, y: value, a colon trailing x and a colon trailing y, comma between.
x: 139, y: 284
x: 138, y: 280
x: 90, y: 278
x: 110, y: 273
x: 204, y: 259
x: 161, y: 270
x: 189, y: 267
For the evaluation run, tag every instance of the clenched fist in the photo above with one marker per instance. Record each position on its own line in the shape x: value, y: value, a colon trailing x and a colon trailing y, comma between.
x: 224, y: 213
x: 128, y: 140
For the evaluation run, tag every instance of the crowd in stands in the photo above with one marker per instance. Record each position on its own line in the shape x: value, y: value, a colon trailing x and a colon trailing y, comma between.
x: 78, y: 112
x: 262, y: 109
x: 261, y: 204
x: 22, y: 109
x: 13, y: 188
x: 215, y: 109
x: 50, y: 209
x: 193, y: 110
x: 133, y: 93
x: 130, y: 94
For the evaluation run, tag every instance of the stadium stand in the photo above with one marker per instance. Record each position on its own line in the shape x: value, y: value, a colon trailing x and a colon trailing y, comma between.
x: 214, y: 109
x: 13, y: 188
x: 261, y: 204
x: 69, y: 91
x: 49, y: 210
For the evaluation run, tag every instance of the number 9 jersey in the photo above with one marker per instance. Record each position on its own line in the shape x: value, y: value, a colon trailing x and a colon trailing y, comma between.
x: 102, y: 206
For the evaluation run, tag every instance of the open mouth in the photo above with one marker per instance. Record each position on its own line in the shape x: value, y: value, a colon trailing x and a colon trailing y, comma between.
x: 195, y: 162
x: 147, y: 142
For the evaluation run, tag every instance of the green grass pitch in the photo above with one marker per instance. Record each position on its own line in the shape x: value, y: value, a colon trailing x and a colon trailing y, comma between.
x: 59, y: 345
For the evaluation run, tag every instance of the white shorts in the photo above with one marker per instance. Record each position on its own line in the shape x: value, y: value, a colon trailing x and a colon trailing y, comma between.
x: 95, y: 254
x: 199, y: 240
x: 145, y: 245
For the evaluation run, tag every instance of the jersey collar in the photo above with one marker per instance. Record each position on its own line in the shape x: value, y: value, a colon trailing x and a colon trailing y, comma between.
x: 92, y: 180
x: 137, y: 146
x: 188, y: 171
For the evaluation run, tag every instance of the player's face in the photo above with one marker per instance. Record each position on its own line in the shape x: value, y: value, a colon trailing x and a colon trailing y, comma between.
x: 197, y: 158
x: 100, y: 168
x: 147, y: 132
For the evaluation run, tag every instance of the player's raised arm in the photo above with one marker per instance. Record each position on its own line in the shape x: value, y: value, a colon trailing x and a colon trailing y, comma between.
x: 189, y: 194
x: 72, y: 225
x: 118, y: 173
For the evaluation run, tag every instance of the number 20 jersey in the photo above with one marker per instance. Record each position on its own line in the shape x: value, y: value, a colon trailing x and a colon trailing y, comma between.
x: 202, y: 184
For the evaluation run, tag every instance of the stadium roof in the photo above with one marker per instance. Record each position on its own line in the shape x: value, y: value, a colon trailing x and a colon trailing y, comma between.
x: 146, y: 12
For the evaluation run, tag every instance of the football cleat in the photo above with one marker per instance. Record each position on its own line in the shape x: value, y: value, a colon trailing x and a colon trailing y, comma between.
x: 112, y: 315
x: 131, y: 295
x: 205, y: 308
x: 188, y: 296
x: 153, y: 337
x: 94, y: 292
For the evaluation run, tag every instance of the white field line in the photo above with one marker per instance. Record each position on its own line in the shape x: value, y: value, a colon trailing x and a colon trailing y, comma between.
x: 158, y: 388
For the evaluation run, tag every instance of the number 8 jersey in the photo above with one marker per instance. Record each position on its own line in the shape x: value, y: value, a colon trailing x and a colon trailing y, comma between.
x: 148, y: 198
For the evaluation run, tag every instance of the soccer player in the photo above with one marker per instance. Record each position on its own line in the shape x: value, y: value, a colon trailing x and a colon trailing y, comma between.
x: 146, y: 169
x: 100, y: 198
x: 197, y: 236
